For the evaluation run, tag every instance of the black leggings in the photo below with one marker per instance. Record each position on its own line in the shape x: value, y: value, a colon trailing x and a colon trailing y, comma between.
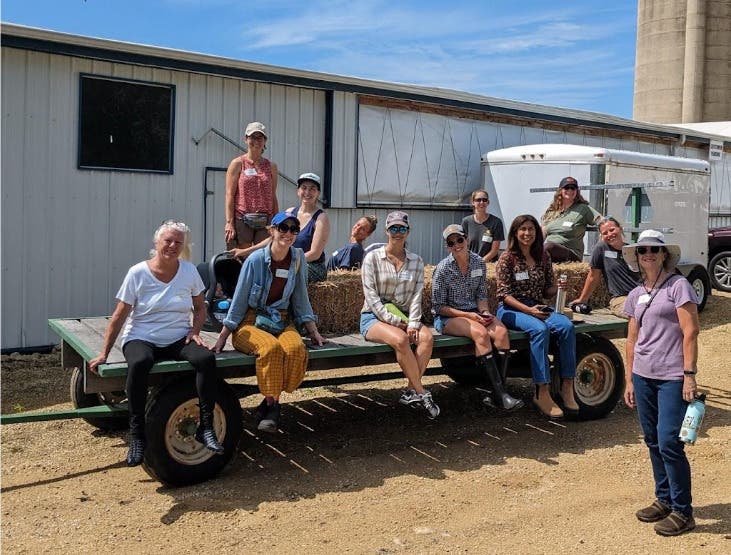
x: 142, y: 355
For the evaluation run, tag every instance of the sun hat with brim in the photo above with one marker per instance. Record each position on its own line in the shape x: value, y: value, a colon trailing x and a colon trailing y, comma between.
x: 651, y: 238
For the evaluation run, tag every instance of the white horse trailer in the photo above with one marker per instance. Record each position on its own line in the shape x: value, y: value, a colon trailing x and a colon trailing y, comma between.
x: 642, y: 191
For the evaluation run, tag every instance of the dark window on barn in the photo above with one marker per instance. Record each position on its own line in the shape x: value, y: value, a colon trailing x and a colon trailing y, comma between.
x: 126, y: 125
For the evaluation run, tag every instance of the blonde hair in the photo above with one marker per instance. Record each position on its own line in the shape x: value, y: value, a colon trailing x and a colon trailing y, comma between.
x: 174, y: 225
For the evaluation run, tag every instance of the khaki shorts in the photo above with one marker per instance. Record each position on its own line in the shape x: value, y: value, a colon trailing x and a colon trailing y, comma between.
x: 616, y: 306
x: 246, y: 236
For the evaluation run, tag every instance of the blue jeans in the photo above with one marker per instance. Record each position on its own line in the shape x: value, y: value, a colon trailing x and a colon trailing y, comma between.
x: 661, y: 409
x: 539, y: 332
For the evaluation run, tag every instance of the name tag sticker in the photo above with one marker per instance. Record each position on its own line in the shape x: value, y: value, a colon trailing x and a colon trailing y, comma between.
x: 405, y: 276
x: 250, y: 171
x: 487, y: 238
x: 281, y: 273
x: 644, y: 299
x: 477, y: 272
x: 568, y: 224
x: 610, y: 254
x: 521, y: 276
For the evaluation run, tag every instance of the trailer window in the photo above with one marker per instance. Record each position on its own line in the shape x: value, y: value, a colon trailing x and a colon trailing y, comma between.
x: 125, y: 125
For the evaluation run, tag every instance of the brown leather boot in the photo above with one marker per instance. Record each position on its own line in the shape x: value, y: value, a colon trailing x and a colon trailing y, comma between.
x: 545, y: 404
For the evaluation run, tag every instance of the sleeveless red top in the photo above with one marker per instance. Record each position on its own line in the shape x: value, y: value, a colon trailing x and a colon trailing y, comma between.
x: 254, y: 193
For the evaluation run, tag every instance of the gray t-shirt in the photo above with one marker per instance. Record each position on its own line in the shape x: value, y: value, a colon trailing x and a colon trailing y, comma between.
x: 620, y: 279
x: 481, y: 235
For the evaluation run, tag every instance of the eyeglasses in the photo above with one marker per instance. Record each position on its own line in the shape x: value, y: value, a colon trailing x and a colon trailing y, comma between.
x: 284, y: 228
x: 398, y: 229
x: 653, y: 250
x: 458, y: 241
x: 481, y: 199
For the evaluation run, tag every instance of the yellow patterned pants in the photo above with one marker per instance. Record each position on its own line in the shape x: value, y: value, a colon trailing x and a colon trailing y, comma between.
x: 281, y: 361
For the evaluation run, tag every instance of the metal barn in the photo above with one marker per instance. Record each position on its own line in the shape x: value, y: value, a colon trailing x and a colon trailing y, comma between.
x: 75, y: 217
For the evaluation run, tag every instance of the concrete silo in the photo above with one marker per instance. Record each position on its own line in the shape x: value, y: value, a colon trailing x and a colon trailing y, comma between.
x: 683, y: 63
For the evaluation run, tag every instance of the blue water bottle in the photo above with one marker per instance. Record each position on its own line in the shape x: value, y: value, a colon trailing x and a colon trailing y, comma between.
x: 693, y: 419
x: 221, y: 310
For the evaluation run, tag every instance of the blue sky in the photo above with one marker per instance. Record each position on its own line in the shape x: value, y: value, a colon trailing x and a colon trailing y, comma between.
x: 570, y: 54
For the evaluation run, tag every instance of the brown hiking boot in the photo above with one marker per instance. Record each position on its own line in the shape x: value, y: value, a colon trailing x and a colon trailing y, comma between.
x: 653, y: 513
x: 675, y: 524
x: 547, y: 407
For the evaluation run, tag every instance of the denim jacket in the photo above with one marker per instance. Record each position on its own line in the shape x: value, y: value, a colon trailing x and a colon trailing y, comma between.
x: 253, y: 287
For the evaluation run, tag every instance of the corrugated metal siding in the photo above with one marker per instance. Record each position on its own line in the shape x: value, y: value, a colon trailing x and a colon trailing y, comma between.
x: 69, y: 236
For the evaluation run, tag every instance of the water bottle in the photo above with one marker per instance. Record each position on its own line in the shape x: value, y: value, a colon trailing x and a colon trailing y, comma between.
x: 693, y: 419
x: 561, y: 293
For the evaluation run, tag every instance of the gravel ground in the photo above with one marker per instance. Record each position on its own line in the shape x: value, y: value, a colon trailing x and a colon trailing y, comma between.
x: 353, y: 472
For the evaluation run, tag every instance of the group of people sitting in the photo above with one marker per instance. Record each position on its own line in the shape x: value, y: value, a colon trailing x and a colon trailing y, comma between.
x: 284, y: 250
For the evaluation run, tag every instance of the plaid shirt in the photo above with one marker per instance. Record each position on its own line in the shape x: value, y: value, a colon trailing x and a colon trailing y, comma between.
x: 514, y: 278
x: 450, y: 287
x: 382, y: 284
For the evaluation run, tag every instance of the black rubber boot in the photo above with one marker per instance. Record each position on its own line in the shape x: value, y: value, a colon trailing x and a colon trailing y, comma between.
x: 205, y: 434
x: 503, y: 359
x: 136, y: 451
x: 499, y: 397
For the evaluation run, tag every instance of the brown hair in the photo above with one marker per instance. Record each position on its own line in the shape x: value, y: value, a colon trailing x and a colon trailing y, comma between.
x: 554, y: 209
x: 372, y: 221
x: 474, y: 193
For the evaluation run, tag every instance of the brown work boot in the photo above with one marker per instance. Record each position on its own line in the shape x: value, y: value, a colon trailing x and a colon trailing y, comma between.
x: 545, y: 404
x: 657, y: 511
x: 675, y: 524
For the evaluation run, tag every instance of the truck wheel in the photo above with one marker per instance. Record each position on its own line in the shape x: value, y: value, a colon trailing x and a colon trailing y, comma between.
x: 599, y: 382
x: 172, y: 455
x: 702, y: 285
x: 81, y: 400
x: 720, y: 270
x: 463, y: 370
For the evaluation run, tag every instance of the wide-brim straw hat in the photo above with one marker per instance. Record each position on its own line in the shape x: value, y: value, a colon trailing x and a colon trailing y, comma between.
x: 651, y: 238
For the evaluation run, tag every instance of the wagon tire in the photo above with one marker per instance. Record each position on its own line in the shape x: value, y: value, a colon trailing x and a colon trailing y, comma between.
x: 463, y: 370
x: 172, y: 455
x: 81, y: 400
x: 599, y: 381
x: 701, y: 283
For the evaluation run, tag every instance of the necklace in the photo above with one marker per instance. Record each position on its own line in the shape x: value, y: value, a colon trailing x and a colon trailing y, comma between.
x: 648, y: 291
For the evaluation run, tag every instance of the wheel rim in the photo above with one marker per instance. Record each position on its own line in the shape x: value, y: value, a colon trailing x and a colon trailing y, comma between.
x: 722, y: 271
x: 180, y: 433
x: 595, y: 379
x: 700, y: 288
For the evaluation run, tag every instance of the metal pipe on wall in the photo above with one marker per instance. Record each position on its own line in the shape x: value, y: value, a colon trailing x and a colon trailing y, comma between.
x: 693, y: 66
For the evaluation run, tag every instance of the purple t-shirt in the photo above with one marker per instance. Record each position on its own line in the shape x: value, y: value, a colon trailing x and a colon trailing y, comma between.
x: 659, y: 346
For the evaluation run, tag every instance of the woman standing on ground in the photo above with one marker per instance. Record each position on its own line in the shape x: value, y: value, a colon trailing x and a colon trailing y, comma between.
x: 251, y: 192
x: 484, y: 231
x: 524, y: 279
x: 565, y: 221
x: 393, y: 282
x: 269, y: 301
x: 155, y: 301
x: 662, y: 356
x: 459, y: 302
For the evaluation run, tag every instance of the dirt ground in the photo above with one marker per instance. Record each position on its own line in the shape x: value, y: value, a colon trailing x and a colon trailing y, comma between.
x: 353, y: 472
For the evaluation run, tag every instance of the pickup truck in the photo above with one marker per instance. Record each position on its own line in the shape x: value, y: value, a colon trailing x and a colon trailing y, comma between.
x: 719, y: 256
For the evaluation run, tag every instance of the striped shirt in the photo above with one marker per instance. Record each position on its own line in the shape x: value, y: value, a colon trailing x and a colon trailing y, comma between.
x: 450, y: 287
x: 382, y: 284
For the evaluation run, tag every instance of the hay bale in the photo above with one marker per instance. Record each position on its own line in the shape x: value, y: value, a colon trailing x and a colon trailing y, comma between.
x: 338, y: 301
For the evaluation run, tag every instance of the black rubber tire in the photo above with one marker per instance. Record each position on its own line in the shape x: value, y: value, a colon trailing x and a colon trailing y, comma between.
x: 463, y: 370
x: 599, y: 382
x: 172, y: 455
x: 720, y: 270
x: 701, y: 283
x: 81, y: 400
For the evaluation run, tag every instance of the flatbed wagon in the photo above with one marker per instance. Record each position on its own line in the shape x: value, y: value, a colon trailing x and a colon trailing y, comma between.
x: 175, y: 458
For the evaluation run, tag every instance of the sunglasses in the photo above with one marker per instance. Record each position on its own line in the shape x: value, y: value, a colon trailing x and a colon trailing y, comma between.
x: 644, y: 250
x: 398, y: 229
x: 481, y: 199
x: 571, y: 187
x: 458, y: 241
x: 284, y: 228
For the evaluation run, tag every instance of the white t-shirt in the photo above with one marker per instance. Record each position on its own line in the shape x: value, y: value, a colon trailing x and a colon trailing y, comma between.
x: 160, y: 311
